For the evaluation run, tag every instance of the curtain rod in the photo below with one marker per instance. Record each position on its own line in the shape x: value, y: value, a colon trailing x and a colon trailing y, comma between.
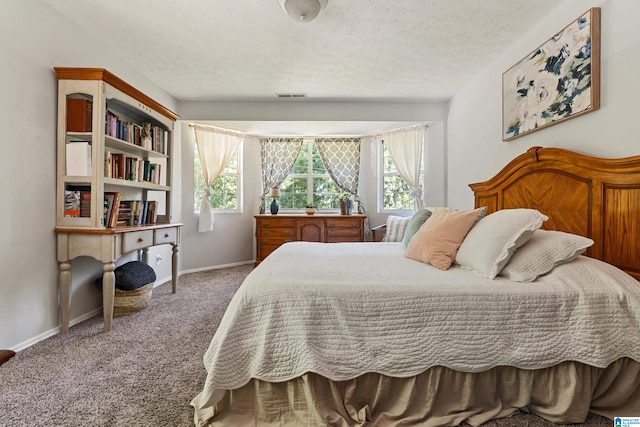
x: 219, y: 130
x: 245, y: 135
x: 398, y: 129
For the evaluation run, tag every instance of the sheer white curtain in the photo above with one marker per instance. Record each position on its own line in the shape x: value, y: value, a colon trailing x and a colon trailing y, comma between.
x: 405, y: 148
x: 215, y: 148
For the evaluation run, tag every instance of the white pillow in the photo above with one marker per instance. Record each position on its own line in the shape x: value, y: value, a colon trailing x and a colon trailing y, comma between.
x: 495, y: 238
x: 544, y: 250
x: 396, y: 225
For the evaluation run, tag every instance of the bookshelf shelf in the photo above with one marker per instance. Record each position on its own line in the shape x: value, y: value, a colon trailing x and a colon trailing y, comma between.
x: 114, y: 180
x: 136, y: 184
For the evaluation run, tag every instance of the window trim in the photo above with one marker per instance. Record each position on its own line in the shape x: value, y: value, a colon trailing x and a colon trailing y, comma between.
x: 309, y: 176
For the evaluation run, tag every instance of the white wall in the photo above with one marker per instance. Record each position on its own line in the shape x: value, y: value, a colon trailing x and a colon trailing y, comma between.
x: 232, y: 239
x: 33, y: 40
x: 475, y: 148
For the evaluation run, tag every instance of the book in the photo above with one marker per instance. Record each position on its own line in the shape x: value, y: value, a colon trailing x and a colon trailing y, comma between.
x: 78, y: 158
x: 117, y: 165
x: 79, y: 112
x: 71, y: 203
x: 85, y: 203
x: 112, y: 203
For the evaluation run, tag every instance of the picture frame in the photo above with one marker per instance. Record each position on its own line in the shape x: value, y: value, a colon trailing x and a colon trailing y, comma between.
x: 555, y: 82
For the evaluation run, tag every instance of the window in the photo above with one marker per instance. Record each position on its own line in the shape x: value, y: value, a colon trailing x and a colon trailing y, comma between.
x: 225, y: 189
x: 394, y: 191
x: 309, y: 183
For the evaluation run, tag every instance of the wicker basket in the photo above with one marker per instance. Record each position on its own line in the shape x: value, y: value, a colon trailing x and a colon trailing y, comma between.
x: 127, y: 302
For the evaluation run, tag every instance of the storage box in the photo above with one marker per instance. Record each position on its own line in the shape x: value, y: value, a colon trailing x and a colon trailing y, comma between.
x: 79, y: 111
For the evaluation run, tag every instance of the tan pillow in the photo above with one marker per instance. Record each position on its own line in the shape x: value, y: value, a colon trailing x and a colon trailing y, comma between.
x: 439, y: 238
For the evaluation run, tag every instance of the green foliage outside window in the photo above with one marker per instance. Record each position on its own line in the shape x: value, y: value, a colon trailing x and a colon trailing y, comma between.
x: 225, y: 189
x: 309, y: 183
x: 395, y: 190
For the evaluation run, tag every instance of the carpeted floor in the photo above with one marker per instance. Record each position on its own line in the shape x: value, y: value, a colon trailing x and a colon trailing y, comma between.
x: 142, y: 373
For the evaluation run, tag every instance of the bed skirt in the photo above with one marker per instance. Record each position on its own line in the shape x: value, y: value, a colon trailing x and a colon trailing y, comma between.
x: 564, y: 393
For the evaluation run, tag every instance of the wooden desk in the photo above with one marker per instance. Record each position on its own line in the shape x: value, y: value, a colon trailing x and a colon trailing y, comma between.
x: 107, y: 246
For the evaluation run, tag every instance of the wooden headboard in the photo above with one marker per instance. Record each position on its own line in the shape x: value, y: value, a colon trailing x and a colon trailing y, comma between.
x: 589, y: 196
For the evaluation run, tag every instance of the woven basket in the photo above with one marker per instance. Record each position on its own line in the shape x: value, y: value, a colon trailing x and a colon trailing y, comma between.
x: 127, y: 302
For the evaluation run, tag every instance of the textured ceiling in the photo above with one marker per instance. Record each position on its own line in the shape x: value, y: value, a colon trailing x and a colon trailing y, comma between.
x: 356, y: 50
x: 421, y: 50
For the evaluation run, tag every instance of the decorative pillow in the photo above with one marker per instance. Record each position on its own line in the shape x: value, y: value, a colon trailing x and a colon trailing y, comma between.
x: 495, y: 238
x: 438, y: 239
x: 544, y: 250
x: 414, y: 225
x: 396, y: 225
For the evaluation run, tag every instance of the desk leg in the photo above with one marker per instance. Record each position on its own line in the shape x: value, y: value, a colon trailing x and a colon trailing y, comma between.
x: 108, y: 293
x: 175, y: 258
x: 64, y: 287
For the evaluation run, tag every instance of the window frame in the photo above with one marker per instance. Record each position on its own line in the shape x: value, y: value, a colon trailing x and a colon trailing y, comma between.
x: 382, y: 174
x: 309, y: 176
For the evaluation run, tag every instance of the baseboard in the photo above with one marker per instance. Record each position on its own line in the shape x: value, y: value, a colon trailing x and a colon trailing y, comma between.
x: 56, y: 330
x: 216, y: 267
x: 98, y: 311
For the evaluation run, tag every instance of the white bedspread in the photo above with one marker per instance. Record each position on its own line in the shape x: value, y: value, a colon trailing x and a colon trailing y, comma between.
x: 344, y: 309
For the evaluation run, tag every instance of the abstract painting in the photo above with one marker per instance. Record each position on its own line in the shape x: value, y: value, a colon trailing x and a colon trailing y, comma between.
x: 557, y: 81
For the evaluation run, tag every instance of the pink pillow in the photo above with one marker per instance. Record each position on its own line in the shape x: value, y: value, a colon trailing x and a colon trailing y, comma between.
x: 439, y: 238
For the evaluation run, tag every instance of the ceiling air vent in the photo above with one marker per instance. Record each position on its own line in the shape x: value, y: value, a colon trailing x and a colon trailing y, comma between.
x: 291, y: 95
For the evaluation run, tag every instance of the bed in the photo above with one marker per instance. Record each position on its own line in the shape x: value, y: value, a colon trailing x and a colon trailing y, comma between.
x: 358, y: 333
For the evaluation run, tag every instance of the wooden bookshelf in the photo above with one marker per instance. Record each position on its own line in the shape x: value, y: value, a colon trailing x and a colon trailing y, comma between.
x: 101, y: 117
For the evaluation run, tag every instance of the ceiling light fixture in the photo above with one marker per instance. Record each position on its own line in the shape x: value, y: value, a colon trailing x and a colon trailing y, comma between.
x: 303, y: 10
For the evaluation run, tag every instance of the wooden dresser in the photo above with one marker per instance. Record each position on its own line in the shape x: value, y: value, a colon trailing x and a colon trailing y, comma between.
x: 274, y: 230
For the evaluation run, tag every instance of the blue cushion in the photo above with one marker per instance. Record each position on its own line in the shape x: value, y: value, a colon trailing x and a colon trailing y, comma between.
x: 131, y: 276
x: 414, y: 225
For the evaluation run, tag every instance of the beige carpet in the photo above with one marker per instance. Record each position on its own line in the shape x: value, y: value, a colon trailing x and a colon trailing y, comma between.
x: 142, y: 373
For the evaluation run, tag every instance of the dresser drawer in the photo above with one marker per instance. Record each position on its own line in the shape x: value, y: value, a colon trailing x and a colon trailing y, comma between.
x: 266, y: 241
x: 343, y: 222
x: 165, y: 235
x: 341, y: 239
x: 276, y: 223
x: 276, y: 232
x: 137, y: 240
x: 343, y: 232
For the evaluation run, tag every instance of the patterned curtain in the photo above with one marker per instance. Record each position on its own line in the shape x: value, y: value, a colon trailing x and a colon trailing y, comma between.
x: 278, y: 156
x: 341, y: 158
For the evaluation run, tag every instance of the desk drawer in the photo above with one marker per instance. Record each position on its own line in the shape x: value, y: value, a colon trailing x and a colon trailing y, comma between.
x: 165, y: 235
x: 137, y: 240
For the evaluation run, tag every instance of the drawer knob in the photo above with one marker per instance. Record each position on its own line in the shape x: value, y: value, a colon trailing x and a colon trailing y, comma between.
x: 140, y: 240
x: 265, y: 242
x: 355, y: 233
x: 288, y: 224
x: 331, y: 224
x: 265, y: 224
x: 288, y: 233
x: 353, y: 224
x: 265, y: 233
x: 166, y: 235
x: 332, y: 233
